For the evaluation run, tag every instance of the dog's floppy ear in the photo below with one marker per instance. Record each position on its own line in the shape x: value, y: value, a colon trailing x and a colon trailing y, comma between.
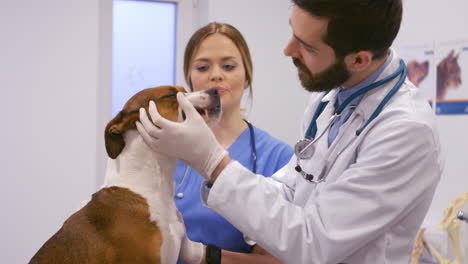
x: 115, y: 129
x: 113, y: 137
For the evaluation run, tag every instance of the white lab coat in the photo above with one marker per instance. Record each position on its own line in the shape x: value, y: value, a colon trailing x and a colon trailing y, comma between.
x: 378, y: 186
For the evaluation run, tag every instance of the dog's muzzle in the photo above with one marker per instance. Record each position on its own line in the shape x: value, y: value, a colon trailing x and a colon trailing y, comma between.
x: 207, y: 103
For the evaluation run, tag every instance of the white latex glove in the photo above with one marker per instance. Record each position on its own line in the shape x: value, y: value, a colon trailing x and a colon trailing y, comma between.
x: 191, y: 141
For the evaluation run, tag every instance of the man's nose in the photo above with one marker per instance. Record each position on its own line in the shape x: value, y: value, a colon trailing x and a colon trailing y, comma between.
x: 291, y: 48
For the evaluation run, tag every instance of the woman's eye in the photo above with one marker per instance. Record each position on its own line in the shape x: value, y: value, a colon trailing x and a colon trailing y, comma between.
x: 202, y: 68
x: 228, y: 67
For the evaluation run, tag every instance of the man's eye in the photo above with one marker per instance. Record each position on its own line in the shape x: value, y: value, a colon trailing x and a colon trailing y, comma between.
x: 309, y: 49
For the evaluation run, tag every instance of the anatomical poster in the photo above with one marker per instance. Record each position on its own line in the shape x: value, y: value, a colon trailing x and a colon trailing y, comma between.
x: 421, y: 70
x: 452, y: 78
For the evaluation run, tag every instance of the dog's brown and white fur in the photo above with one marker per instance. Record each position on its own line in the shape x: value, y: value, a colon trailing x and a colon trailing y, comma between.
x: 133, y: 218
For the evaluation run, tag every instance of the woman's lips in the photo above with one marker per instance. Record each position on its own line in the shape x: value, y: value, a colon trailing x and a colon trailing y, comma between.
x: 220, y: 90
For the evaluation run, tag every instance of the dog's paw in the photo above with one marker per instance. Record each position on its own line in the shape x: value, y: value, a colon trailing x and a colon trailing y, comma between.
x: 191, y: 252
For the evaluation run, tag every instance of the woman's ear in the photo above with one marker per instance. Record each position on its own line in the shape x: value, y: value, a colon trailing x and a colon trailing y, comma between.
x: 358, y: 61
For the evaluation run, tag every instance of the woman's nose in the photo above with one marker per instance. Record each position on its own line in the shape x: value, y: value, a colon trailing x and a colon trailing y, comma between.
x: 216, y: 74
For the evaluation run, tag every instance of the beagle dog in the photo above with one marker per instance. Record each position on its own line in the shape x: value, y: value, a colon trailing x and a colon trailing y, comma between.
x: 133, y: 217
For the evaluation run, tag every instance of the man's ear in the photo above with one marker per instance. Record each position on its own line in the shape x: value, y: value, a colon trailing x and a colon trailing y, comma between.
x: 358, y: 61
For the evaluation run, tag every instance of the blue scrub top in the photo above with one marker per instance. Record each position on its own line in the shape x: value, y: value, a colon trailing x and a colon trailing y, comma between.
x: 206, y: 226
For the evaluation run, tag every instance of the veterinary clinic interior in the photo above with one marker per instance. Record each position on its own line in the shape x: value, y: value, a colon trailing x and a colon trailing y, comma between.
x: 68, y: 66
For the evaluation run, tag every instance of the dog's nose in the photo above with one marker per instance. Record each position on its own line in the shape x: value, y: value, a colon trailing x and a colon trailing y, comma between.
x: 212, y: 91
x: 215, y: 105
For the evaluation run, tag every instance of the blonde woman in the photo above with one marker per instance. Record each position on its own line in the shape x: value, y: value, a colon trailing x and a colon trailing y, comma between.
x: 217, y: 56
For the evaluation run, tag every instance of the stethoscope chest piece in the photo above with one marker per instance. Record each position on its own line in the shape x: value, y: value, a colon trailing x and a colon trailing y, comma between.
x: 303, y: 148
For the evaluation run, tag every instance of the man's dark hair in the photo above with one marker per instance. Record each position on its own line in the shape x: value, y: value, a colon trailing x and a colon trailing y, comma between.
x: 356, y: 25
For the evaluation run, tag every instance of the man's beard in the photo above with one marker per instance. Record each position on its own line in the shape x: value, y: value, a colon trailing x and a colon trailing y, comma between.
x: 332, y: 77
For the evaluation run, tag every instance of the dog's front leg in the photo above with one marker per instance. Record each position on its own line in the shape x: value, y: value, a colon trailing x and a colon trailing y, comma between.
x: 172, y: 240
x: 191, y: 252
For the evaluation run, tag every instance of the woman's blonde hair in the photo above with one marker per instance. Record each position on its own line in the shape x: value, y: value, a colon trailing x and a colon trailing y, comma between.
x: 227, y: 30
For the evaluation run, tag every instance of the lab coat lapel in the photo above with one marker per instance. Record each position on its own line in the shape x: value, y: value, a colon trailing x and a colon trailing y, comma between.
x: 346, y: 135
x: 324, y: 119
x: 316, y: 164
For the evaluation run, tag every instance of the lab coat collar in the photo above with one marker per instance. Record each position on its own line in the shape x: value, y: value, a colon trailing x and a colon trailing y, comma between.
x: 330, y: 96
x: 366, y: 107
x: 372, y: 99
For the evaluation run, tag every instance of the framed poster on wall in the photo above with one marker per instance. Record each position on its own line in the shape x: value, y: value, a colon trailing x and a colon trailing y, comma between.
x: 419, y: 61
x: 452, y: 78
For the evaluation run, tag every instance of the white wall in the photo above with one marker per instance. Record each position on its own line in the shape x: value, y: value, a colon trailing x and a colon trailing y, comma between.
x: 439, y: 21
x: 49, y: 77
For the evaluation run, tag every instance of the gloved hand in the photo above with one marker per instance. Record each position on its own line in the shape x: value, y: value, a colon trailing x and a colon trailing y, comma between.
x: 191, y: 141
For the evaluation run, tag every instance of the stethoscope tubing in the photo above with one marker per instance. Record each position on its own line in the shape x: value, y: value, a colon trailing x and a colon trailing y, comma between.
x: 312, y: 129
x: 330, y: 123
x: 253, y: 149
x: 252, y: 146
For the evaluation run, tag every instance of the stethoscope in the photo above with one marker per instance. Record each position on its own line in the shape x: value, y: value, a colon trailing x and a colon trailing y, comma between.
x: 252, y: 146
x: 305, y: 149
x: 254, y: 159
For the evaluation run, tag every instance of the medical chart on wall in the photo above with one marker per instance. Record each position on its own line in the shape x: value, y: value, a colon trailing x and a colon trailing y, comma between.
x: 419, y: 61
x: 452, y: 78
